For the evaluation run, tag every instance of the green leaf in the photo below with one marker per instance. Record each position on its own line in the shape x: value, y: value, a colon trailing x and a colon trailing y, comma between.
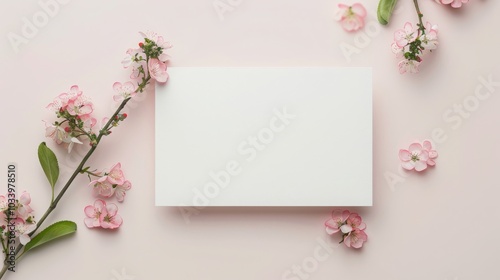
x: 384, y: 10
x: 49, y: 164
x: 52, y: 232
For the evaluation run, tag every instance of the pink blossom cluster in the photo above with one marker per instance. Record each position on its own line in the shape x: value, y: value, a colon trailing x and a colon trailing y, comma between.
x: 351, y: 226
x: 113, y: 182
x: 102, y: 215
x: 410, y: 44
x: 154, y: 47
x: 20, y: 213
x: 453, y: 3
x: 418, y: 156
x: 351, y: 18
x: 75, y: 109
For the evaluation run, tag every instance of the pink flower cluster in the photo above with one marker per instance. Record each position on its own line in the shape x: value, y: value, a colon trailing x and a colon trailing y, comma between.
x: 102, y: 215
x: 350, y: 224
x: 410, y: 44
x: 20, y: 213
x: 418, y: 156
x: 351, y: 18
x: 76, y: 111
x: 453, y: 3
x: 111, y: 183
x: 154, y: 46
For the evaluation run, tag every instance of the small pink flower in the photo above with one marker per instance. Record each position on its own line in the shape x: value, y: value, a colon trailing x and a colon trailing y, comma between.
x: 353, y: 222
x: 158, y: 70
x: 121, y: 189
x: 23, y: 208
x: 351, y: 18
x: 115, y: 175
x: 81, y: 106
x: 93, y: 213
x: 429, y: 39
x: 338, y: 219
x: 123, y: 91
x: 403, y: 37
x: 414, y: 158
x: 453, y: 3
x: 102, y: 187
x: 109, y: 218
x: 410, y: 66
x: 432, y: 153
x: 22, y: 229
x: 56, y: 132
x: 355, y: 239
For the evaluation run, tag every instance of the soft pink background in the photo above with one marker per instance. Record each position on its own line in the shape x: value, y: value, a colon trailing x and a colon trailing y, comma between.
x: 439, y: 225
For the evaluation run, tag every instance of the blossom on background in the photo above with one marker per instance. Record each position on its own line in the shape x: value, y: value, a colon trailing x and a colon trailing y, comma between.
x: 102, y: 215
x: 411, y: 44
x: 111, y: 183
x: 453, y: 3
x: 351, y: 18
x: 20, y: 215
x: 158, y: 70
x: 351, y: 225
x: 418, y: 156
x: 124, y: 91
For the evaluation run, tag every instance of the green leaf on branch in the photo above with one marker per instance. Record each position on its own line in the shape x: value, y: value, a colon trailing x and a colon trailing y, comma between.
x: 49, y: 164
x: 52, y: 232
x: 384, y: 10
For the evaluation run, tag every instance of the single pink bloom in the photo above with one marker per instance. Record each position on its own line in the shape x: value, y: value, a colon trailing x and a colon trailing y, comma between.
x: 414, y: 158
x: 353, y: 222
x: 109, y: 217
x: 430, y: 40
x: 124, y: 91
x: 410, y: 66
x: 56, y: 132
x: 121, y: 189
x: 351, y: 18
x: 23, y: 208
x: 356, y: 238
x: 403, y: 37
x: 23, y: 229
x: 102, y: 187
x: 81, y: 106
x: 115, y: 175
x: 158, y: 70
x: 93, y: 213
x: 337, y: 220
x: 454, y: 3
x: 432, y: 153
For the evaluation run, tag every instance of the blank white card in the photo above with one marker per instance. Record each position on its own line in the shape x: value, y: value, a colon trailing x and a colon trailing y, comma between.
x: 264, y: 137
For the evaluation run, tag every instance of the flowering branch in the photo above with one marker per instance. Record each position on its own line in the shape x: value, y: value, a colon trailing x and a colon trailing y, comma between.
x: 148, y: 63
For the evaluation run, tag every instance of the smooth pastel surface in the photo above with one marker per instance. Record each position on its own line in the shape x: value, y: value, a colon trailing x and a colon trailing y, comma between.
x: 264, y: 136
x: 434, y: 225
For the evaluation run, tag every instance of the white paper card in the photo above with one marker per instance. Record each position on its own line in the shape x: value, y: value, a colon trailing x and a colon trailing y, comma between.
x: 264, y: 137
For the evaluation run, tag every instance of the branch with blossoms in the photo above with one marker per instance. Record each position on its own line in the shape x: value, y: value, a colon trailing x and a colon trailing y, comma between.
x: 410, y: 43
x: 76, y: 125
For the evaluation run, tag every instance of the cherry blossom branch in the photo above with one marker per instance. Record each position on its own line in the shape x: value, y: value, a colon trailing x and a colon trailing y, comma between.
x: 102, y: 132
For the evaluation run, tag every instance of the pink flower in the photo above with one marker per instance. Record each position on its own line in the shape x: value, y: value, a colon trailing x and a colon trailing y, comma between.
x: 353, y: 222
x: 453, y: 3
x: 102, y: 187
x: 356, y: 238
x: 121, y: 189
x: 123, y: 91
x: 109, y: 218
x: 403, y: 37
x: 429, y: 39
x: 410, y: 66
x: 93, y: 213
x: 414, y: 158
x: 158, y: 70
x: 337, y: 220
x: 24, y: 209
x: 115, y: 175
x: 351, y: 18
x: 23, y: 229
x: 56, y: 132
x: 81, y: 106
x: 432, y: 153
